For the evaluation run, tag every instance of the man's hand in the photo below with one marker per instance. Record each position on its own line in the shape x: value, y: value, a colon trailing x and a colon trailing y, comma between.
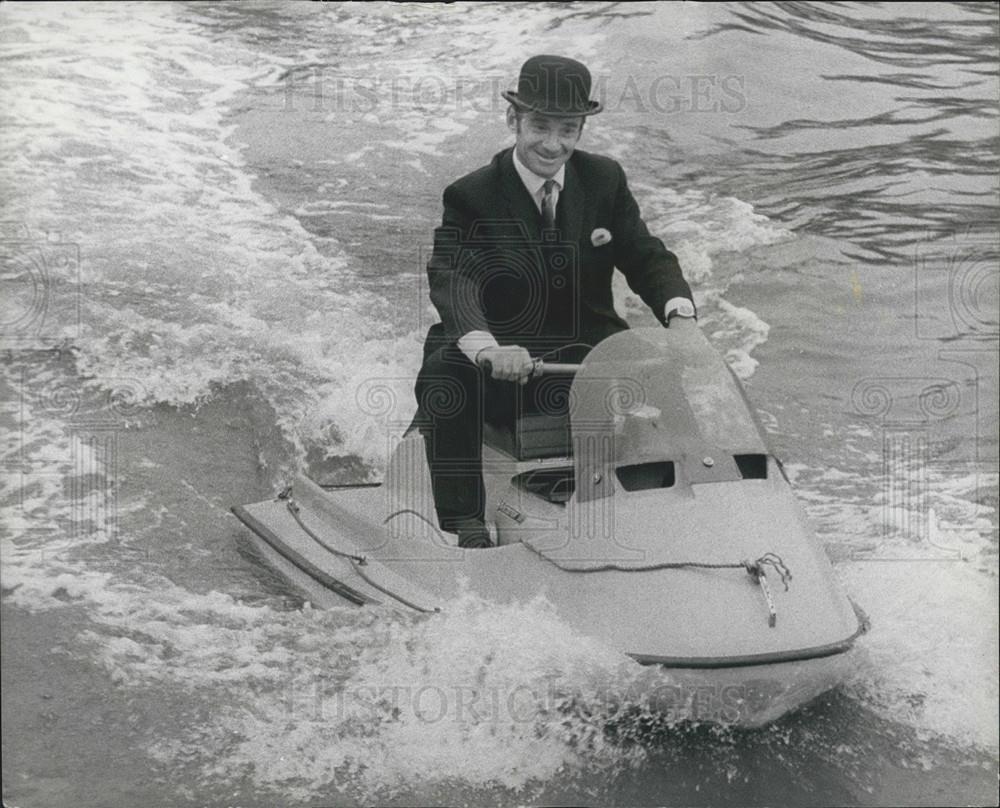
x: 510, y: 363
x: 678, y: 323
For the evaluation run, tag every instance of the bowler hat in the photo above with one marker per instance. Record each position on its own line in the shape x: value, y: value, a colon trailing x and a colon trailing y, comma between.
x: 553, y: 85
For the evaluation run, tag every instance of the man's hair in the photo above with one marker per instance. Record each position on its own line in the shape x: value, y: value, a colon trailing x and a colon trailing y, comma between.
x: 518, y: 113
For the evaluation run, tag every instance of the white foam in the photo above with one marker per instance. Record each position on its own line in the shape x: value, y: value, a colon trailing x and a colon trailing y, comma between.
x: 933, y: 645
x: 926, y: 573
x: 698, y: 227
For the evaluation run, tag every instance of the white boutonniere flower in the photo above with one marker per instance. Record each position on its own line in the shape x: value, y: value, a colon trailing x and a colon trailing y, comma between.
x: 600, y: 237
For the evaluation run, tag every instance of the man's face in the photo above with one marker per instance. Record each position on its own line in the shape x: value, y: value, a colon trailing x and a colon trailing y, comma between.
x: 544, y: 143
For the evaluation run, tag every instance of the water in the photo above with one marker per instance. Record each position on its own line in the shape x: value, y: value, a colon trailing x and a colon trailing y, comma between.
x: 215, y: 224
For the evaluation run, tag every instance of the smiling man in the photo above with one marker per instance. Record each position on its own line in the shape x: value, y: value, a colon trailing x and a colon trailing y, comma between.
x: 522, y: 268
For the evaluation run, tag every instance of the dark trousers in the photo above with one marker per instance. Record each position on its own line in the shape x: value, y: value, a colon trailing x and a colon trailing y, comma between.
x: 454, y: 398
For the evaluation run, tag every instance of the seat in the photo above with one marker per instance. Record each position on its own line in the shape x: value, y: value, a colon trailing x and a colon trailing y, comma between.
x: 531, y: 437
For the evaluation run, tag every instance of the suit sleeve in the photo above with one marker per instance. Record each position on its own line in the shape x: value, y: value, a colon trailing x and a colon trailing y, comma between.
x: 454, y: 289
x: 652, y: 271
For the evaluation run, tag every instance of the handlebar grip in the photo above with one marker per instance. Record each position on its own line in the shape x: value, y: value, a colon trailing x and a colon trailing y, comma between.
x: 550, y: 368
x: 540, y: 368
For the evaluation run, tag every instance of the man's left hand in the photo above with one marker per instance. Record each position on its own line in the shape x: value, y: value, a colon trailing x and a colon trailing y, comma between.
x: 683, y: 323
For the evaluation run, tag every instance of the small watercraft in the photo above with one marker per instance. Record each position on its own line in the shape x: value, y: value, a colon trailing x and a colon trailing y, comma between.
x: 647, y: 509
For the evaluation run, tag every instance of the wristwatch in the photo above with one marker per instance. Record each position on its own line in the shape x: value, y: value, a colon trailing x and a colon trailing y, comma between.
x: 684, y: 308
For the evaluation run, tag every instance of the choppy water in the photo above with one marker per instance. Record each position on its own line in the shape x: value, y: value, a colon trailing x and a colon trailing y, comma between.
x: 215, y: 223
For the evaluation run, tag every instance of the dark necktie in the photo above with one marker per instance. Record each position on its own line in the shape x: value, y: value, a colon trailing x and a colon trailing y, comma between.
x: 548, y: 205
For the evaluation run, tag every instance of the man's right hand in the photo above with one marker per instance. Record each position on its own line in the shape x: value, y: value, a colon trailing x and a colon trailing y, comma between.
x: 510, y: 363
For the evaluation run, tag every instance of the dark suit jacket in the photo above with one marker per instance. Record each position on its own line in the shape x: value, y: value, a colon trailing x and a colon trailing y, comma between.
x: 494, y: 269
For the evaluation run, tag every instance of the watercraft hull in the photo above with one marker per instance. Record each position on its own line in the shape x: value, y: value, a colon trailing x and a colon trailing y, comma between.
x: 655, y: 521
x: 695, y: 673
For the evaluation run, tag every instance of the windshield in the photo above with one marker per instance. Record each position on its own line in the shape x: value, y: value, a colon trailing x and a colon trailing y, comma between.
x: 656, y: 394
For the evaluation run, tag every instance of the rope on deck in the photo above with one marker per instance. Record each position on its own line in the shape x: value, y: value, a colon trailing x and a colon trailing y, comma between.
x: 357, y: 561
x: 755, y: 569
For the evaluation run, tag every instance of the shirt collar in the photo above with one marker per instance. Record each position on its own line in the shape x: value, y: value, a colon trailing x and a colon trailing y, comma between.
x: 532, y: 181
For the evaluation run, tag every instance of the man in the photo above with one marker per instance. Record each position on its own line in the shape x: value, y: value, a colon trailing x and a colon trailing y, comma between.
x: 522, y: 266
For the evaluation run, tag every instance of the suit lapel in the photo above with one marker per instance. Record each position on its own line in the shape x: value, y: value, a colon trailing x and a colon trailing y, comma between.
x: 519, y: 202
x: 569, y: 215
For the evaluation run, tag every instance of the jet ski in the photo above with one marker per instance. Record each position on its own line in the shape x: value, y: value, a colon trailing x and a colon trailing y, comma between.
x: 646, y: 507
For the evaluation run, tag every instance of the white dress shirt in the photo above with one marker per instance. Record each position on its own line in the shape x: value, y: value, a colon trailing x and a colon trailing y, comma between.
x: 535, y: 184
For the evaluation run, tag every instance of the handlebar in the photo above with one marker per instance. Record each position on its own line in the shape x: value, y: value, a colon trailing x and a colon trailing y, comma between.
x: 540, y: 368
x: 553, y: 368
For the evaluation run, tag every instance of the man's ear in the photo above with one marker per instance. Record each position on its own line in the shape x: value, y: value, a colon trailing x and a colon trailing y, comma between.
x: 512, y: 119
